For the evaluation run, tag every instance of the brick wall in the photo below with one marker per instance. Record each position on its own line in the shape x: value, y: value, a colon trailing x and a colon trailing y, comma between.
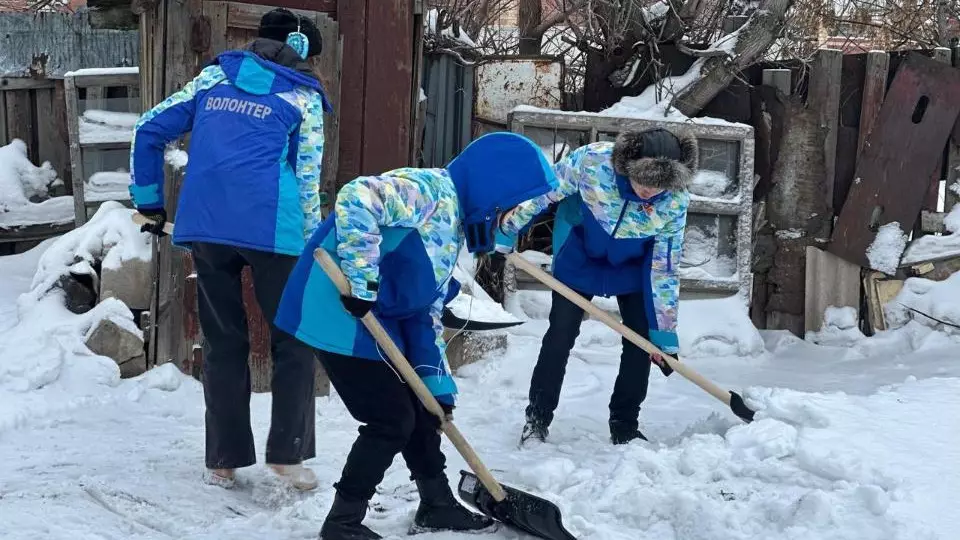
x: 14, y: 5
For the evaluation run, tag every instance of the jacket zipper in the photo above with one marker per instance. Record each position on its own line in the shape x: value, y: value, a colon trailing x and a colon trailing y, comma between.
x: 613, y: 237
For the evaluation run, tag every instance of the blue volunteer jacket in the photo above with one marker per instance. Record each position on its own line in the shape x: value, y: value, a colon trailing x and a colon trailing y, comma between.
x: 397, y: 237
x: 253, y: 176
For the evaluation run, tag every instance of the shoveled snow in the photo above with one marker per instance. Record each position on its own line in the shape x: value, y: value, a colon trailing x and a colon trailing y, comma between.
x: 839, y: 328
x: 24, y: 190
x: 469, y: 307
x: 107, y: 186
x: 887, y: 248
x: 110, y: 237
x: 849, y: 443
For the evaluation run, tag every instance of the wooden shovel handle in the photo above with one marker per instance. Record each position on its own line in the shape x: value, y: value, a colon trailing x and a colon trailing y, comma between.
x: 413, y: 380
x: 141, y: 219
x: 638, y: 340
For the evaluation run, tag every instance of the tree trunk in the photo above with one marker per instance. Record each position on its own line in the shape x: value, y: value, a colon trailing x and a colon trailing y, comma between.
x: 716, y: 72
x: 531, y: 13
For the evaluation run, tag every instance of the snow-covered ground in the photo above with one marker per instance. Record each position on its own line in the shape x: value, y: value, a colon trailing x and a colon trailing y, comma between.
x: 853, y: 442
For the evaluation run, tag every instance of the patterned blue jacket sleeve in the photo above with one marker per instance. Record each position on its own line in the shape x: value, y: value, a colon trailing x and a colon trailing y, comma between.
x: 368, y: 203
x: 664, y: 277
x: 568, y: 172
x: 161, y: 125
x: 309, y: 162
x: 441, y: 384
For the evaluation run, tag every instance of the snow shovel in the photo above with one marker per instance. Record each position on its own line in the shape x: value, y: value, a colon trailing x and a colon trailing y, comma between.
x: 731, y: 399
x: 515, y: 508
x: 452, y: 322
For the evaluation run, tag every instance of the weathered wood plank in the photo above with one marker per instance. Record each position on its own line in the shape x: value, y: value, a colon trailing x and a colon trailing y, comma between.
x: 53, y: 143
x: 22, y: 83
x: 932, y: 198
x: 218, y: 13
x: 20, y: 119
x: 352, y: 18
x: 824, y: 95
x: 76, y: 154
x: 44, y: 45
x: 830, y: 281
x: 3, y: 120
x: 874, y: 90
x: 323, y: 6
x: 915, y: 121
x: 329, y: 68
x: 386, y: 141
x: 247, y: 16
x: 103, y: 81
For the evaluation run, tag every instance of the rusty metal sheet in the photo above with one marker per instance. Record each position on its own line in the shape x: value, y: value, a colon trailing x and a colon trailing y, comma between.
x: 504, y: 83
x: 900, y: 154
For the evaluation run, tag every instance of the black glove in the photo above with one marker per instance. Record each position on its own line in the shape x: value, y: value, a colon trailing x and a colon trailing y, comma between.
x: 664, y: 367
x: 357, y: 307
x: 447, y: 412
x: 159, y: 219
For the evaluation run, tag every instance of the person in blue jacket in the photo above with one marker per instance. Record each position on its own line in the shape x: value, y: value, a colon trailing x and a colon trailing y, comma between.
x: 397, y: 237
x: 250, y: 197
x: 618, y: 232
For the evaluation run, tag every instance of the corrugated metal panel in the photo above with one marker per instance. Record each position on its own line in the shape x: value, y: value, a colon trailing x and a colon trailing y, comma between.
x: 448, y: 84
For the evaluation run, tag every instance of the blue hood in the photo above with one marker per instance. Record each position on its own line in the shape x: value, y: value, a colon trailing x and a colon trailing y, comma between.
x: 492, y: 175
x: 259, y: 76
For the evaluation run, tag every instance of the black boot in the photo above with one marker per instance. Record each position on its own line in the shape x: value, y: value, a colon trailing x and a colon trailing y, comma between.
x: 440, y: 510
x: 623, y: 433
x: 344, y: 522
x: 534, y: 430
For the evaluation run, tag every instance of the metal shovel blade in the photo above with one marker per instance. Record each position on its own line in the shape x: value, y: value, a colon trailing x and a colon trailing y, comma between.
x: 452, y: 322
x: 520, y: 510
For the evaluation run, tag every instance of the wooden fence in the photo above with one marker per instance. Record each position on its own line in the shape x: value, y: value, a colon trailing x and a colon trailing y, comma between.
x: 37, y: 50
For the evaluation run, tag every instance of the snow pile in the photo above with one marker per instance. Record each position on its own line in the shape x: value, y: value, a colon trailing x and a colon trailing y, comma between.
x: 88, y: 72
x: 717, y: 327
x: 108, y: 239
x: 22, y: 183
x: 937, y: 299
x: 472, y: 308
x: 98, y: 126
x: 710, y: 184
x: 887, y: 248
x: 840, y: 328
x: 932, y: 246
x: 108, y: 186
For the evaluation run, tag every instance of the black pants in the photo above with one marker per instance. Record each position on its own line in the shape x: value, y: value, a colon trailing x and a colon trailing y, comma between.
x: 394, y: 422
x: 226, y: 349
x: 631, y: 387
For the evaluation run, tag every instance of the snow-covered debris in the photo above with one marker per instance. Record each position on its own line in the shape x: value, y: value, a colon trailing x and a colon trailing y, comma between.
x: 931, y: 246
x: 24, y: 188
x: 20, y: 180
x: 710, y: 184
x: 887, y: 248
x: 840, y: 328
x: 938, y: 299
x: 431, y: 21
x: 109, y: 238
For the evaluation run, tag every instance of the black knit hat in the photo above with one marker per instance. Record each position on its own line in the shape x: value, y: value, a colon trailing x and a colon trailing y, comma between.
x: 278, y: 23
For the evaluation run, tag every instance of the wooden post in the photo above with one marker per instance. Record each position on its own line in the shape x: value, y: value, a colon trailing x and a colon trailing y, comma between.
x: 76, y: 155
x: 874, y: 89
x: 3, y: 119
x: 951, y: 197
x: 943, y: 55
x: 824, y: 95
x: 781, y: 79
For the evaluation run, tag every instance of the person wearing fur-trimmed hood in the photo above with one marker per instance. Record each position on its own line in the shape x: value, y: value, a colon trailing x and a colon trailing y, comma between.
x: 618, y: 231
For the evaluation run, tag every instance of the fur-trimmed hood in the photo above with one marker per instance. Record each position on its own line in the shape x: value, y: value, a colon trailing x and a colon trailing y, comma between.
x: 656, y: 158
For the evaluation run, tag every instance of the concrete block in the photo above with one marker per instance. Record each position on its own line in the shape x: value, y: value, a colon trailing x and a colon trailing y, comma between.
x: 131, y: 283
x: 111, y: 340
